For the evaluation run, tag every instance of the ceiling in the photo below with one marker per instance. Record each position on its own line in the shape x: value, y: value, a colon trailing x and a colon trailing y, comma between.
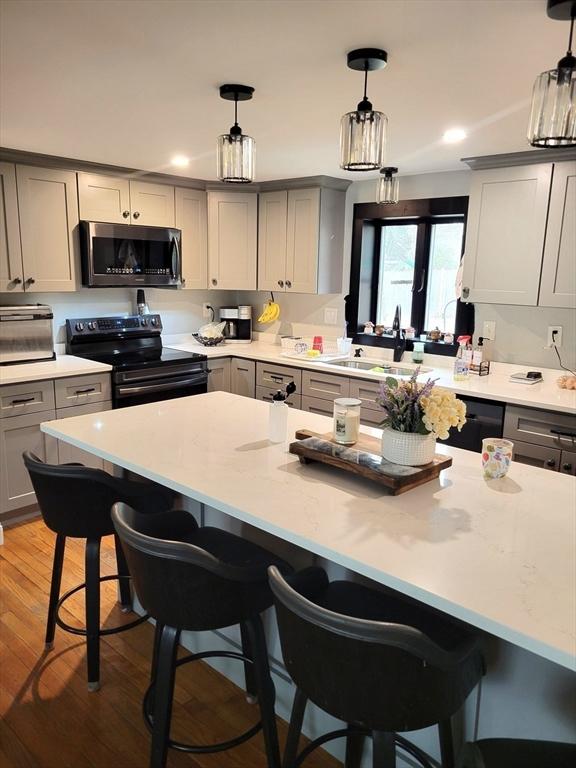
x: 134, y: 82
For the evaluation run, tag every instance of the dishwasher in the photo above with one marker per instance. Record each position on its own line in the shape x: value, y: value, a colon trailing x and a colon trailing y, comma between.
x: 484, y: 418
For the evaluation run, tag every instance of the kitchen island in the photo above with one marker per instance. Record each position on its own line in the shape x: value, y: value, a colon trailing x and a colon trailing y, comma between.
x: 498, y: 554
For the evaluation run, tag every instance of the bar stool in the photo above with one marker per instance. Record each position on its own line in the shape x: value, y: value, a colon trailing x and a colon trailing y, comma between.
x: 374, y: 661
x: 75, y: 501
x: 196, y: 579
x: 518, y: 753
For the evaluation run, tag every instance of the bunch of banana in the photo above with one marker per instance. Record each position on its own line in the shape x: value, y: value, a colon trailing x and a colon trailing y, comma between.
x: 271, y: 312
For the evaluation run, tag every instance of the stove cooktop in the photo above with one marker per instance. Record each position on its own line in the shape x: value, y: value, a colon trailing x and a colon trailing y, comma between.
x: 121, y: 359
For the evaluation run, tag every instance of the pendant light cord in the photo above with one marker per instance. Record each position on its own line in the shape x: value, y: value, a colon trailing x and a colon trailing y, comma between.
x: 569, y: 52
x: 366, y: 80
x: 236, y: 109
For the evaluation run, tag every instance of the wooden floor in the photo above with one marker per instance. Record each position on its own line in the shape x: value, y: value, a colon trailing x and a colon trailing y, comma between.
x: 47, y: 717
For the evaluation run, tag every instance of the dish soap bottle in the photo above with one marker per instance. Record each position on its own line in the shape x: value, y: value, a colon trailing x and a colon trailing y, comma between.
x: 462, y: 361
x: 278, y: 418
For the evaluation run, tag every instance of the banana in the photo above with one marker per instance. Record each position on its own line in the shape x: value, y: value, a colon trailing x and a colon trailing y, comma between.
x: 270, y: 313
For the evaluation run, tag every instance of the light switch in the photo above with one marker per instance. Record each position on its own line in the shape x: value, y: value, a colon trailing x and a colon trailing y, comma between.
x: 330, y: 316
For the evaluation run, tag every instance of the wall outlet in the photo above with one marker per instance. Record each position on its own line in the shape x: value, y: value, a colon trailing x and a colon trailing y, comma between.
x: 207, y: 311
x: 489, y: 329
x: 331, y: 316
x: 554, y: 336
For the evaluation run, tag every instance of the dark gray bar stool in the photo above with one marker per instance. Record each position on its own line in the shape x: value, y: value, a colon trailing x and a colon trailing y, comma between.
x: 75, y: 501
x: 518, y: 753
x: 196, y: 579
x: 379, y: 663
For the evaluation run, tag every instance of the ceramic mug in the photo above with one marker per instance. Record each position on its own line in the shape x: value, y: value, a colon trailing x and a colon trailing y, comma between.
x: 496, y: 457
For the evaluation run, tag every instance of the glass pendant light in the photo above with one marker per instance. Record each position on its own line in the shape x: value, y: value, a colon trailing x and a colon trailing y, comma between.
x: 235, y: 151
x: 553, y: 115
x: 363, y: 132
x: 388, y: 187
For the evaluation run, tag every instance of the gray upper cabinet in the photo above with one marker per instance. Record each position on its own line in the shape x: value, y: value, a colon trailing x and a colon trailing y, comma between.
x: 558, y: 285
x: 191, y: 218
x: 117, y: 200
x: 11, y: 269
x: 505, y: 234
x: 48, y: 207
x: 301, y: 234
x: 232, y: 240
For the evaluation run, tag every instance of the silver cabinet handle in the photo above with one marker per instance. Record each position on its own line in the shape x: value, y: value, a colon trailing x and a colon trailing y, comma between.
x: 214, y: 281
x: 281, y: 283
x: 288, y: 284
x: 125, y: 214
x: 136, y: 214
x: 85, y: 391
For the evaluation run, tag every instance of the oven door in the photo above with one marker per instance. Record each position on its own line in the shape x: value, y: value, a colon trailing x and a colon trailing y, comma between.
x: 138, y: 393
x: 126, y: 254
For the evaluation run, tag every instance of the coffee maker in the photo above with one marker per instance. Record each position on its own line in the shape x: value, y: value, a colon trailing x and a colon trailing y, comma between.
x: 238, y: 321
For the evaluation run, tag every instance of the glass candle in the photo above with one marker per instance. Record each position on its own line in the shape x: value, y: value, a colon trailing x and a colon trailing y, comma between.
x: 346, y: 420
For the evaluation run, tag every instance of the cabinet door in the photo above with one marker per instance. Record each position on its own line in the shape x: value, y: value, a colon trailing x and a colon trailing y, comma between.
x: 11, y: 277
x: 558, y: 286
x: 48, y: 204
x: 19, y: 434
x: 151, y: 205
x: 505, y: 234
x: 536, y: 456
x: 316, y: 405
x: 104, y: 198
x: 191, y: 218
x: 303, y: 228
x: 69, y: 453
x: 232, y: 236
x: 219, y: 375
x: 568, y: 462
x: 324, y: 385
x: 243, y: 377
x: 272, y: 213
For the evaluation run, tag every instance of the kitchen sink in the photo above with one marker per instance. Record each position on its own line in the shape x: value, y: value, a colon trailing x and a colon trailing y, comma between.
x: 368, y: 365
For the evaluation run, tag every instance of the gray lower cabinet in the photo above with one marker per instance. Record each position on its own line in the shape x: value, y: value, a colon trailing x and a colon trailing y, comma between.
x: 542, y: 438
x: 324, y: 385
x: 568, y: 462
x: 68, y: 453
x: 219, y: 375
x: 19, y: 434
x: 266, y: 393
x: 536, y: 455
x: 318, y: 405
x: 367, y: 391
x: 243, y: 377
x: 278, y: 376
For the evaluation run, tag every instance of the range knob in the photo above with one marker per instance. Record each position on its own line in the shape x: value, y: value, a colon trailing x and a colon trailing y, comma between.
x: 79, y: 326
x: 144, y: 321
x: 154, y: 321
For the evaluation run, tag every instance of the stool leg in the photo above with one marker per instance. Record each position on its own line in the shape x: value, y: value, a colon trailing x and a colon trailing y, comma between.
x: 354, y: 749
x: 123, y: 584
x: 383, y: 750
x: 154, y: 665
x: 92, y: 557
x: 448, y: 759
x: 295, y: 728
x: 55, y: 589
x: 164, y: 694
x: 266, y: 692
x: 249, y: 676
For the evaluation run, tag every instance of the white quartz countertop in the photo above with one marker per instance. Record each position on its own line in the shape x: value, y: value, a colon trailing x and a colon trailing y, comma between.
x: 62, y: 366
x: 495, y: 386
x: 498, y: 554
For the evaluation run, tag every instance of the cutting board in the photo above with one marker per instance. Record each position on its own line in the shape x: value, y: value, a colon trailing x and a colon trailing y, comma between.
x: 364, y: 459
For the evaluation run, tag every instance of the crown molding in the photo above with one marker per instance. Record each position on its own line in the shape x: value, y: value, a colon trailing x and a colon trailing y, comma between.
x: 530, y: 157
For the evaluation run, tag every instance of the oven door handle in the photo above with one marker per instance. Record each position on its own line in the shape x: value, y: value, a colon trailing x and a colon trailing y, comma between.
x: 139, y: 390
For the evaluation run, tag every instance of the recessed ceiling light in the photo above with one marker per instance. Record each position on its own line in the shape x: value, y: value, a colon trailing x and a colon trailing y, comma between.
x: 454, y: 135
x: 180, y: 161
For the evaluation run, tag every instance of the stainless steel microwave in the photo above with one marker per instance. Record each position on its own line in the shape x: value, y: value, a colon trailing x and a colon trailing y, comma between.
x: 125, y: 254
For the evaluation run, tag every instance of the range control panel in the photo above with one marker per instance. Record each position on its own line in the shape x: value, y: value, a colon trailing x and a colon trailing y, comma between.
x: 124, y: 326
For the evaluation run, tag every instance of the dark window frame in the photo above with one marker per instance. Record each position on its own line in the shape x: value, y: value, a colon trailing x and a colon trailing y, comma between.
x: 366, y: 238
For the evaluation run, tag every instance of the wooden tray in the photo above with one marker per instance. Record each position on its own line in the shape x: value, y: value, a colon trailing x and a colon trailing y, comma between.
x: 364, y: 459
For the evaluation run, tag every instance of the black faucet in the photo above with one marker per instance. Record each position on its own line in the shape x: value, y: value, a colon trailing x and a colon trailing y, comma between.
x: 358, y: 352
x: 399, y: 338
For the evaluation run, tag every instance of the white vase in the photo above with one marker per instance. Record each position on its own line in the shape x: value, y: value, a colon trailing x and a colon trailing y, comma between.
x: 408, y: 448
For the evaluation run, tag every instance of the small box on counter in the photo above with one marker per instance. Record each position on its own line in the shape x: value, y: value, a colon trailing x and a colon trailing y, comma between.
x: 480, y: 363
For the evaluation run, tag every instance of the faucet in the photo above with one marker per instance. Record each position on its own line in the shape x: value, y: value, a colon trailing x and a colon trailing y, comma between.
x: 358, y: 352
x: 399, y: 339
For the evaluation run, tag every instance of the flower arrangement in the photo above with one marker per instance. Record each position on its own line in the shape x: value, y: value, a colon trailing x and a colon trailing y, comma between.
x: 421, y: 409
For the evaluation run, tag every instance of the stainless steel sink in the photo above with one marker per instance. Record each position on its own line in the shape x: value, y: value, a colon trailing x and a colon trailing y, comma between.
x: 368, y: 365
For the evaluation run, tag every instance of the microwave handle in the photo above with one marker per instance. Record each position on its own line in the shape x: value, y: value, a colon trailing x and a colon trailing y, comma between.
x: 176, y: 264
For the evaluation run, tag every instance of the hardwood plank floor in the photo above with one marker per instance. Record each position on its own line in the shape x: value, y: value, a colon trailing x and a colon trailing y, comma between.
x: 47, y: 717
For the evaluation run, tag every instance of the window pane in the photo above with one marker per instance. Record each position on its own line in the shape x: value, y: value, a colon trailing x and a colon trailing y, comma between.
x: 445, y: 251
x: 397, y: 254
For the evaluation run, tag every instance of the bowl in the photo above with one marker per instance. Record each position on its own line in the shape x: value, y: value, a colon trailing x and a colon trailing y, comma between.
x: 208, y: 341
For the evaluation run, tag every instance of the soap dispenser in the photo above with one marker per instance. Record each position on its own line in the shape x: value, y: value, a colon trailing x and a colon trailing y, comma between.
x: 278, y: 419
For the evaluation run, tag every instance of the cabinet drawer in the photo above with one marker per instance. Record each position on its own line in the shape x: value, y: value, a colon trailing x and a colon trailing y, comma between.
x: 69, y: 453
x: 324, y: 385
x: 555, y: 430
x: 536, y: 455
x: 371, y: 417
x: 266, y: 393
x: 32, y: 397
x: 82, y: 390
x: 568, y: 462
x: 277, y: 376
x: 242, y: 377
x: 367, y: 391
x: 317, y: 405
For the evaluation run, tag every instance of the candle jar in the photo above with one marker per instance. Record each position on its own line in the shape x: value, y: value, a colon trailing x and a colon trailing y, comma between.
x: 346, y: 420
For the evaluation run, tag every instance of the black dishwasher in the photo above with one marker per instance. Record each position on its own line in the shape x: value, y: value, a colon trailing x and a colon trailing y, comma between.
x: 484, y: 418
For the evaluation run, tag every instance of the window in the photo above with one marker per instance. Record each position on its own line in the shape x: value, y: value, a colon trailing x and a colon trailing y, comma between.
x: 408, y: 255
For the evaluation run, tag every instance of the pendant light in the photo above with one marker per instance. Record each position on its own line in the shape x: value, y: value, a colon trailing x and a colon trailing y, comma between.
x: 363, y: 132
x: 553, y: 114
x: 235, y: 151
x: 388, y: 188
